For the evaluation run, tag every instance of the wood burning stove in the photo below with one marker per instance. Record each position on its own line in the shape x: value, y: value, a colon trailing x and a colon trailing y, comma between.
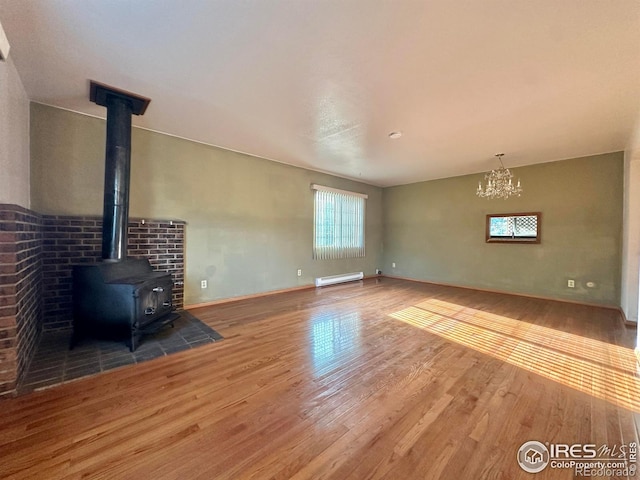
x: 119, y: 297
x: 123, y: 300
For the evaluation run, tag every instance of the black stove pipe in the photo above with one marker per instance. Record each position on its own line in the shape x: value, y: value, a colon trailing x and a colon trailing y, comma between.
x: 120, y: 106
x: 116, y: 179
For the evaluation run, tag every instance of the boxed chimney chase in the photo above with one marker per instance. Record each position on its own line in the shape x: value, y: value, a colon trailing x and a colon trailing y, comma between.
x: 119, y: 298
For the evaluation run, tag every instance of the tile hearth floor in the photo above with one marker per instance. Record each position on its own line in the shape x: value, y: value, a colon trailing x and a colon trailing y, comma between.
x: 53, y: 362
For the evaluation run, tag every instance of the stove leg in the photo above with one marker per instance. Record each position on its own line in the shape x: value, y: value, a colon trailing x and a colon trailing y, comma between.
x: 134, y: 342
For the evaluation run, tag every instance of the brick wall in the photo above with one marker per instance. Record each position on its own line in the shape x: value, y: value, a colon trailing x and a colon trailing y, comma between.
x: 37, y: 253
x: 69, y: 240
x: 162, y: 242
x: 20, y: 292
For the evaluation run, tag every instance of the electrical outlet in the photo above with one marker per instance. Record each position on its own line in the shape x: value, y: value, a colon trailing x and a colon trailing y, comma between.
x: 203, y: 284
x: 299, y: 272
x: 393, y: 265
x: 571, y: 283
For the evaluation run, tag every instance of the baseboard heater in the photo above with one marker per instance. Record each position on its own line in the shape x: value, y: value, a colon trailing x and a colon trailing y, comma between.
x: 333, y: 279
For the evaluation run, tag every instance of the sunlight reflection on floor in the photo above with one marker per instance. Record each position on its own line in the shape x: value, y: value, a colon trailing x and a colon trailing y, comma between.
x: 332, y: 338
x: 600, y: 369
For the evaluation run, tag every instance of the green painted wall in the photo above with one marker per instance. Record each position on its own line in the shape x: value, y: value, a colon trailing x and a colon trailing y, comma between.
x: 435, y: 231
x: 14, y: 137
x: 249, y: 220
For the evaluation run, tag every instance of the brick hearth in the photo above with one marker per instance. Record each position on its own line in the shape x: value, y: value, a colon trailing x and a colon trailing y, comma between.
x: 37, y: 253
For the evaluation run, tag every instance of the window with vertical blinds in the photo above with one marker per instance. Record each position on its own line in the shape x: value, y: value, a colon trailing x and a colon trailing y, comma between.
x: 338, y: 223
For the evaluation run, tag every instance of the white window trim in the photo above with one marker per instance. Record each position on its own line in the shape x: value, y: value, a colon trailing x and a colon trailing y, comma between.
x: 337, y: 252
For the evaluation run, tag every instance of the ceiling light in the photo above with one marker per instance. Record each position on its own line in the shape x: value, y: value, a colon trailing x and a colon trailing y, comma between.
x: 4, y: 45
x: 395, y: 135
x: 499, y: 183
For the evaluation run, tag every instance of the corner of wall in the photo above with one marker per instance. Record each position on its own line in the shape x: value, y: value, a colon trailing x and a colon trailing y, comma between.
x: 629, y: 297
x: 20, y: 292
x: 14, y: 138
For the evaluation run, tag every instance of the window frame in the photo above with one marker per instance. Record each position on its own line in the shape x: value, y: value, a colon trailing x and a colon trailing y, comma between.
x: 340, y: 251
x: 512, y: 239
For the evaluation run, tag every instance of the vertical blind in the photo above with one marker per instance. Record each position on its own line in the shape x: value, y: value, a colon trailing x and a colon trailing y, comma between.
x: 338, y: 223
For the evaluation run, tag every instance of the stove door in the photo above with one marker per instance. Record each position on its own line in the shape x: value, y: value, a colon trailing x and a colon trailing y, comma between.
x: 154, y: 300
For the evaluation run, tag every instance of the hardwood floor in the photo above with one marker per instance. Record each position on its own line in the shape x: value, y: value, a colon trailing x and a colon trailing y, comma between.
x: 382, y: 379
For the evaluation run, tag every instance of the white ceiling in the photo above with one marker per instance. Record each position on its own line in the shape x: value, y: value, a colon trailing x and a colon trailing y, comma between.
x: 321, y: 83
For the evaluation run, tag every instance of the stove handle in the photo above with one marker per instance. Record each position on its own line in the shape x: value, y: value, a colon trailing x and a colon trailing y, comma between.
x: 158, y: 289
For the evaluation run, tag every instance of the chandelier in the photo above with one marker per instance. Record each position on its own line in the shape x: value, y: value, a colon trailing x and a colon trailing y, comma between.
x: 499, y: 183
